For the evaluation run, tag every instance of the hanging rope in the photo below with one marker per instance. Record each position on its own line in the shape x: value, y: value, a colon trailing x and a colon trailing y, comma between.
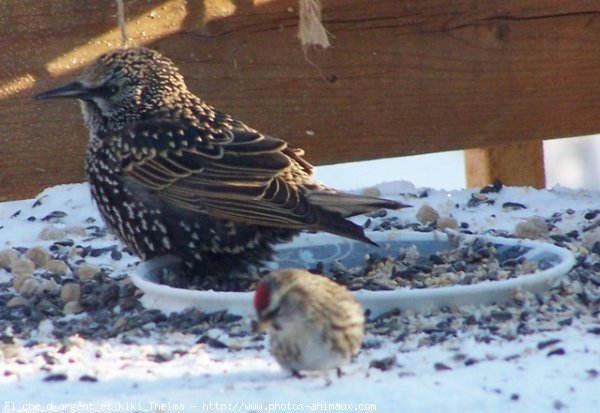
x: 121, y: 20
x: 310, y: 30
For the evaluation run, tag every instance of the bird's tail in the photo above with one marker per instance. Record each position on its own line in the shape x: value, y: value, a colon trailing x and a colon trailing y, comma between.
x: 348, y: 205
x: 339, y: 206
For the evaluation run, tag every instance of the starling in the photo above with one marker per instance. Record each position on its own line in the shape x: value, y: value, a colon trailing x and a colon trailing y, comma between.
x: 313, y: 323
x: 171, y: 175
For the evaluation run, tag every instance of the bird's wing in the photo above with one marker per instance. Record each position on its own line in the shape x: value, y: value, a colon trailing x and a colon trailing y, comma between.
x: 230, y: 173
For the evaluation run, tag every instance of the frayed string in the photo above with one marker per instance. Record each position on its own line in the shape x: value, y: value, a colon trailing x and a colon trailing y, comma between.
x: 310, y: 30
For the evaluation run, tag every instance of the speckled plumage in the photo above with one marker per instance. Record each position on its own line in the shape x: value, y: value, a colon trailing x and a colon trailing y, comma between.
x: 172, y: 175
x: 314, y: 323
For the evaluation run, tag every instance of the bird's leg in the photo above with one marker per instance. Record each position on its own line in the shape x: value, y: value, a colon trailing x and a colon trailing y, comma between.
x: 297, y: 374
x: 339, y: 372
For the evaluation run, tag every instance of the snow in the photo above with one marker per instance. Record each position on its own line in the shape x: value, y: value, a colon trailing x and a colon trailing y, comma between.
x: 514, y: 376
x: 229, y: 379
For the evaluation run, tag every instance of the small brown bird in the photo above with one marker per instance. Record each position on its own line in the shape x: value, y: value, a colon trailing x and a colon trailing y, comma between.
x: 171, y: 175
x: 313, y: 323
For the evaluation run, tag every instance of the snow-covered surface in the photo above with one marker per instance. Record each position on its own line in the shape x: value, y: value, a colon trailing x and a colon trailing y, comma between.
x: 515, y: 376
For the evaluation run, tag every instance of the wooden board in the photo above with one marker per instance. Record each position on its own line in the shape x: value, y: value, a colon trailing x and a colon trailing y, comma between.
x: 517, y: 164
x: 403, y: 76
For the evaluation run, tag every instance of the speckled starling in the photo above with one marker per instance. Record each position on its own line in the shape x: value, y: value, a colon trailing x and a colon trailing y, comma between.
x: 172, y: 175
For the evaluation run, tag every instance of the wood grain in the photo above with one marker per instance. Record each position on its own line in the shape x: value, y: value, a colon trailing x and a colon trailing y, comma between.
x: 403, y: 77
x: 517, y: 164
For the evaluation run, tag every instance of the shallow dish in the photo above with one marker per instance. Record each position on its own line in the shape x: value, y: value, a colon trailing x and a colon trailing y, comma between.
x: 307, y: 250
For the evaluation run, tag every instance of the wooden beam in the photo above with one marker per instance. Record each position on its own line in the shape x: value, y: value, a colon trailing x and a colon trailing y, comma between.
x: 403, y: 77
x: 519, y: 164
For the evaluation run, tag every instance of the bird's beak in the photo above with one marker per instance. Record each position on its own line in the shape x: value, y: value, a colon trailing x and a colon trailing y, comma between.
x: 264, y: 324
x: 70, y: 90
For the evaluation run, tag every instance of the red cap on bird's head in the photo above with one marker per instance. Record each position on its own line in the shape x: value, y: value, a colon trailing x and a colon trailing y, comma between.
x: 262, y: 297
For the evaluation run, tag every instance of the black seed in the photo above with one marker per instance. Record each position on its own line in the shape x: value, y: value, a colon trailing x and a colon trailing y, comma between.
x: 514, y: 397
x: 558, y: 405
x: 54, y: 216
x: 407, y: 274
x: 211, y: 342
x: 510, y: 263
x: 116, y: 255
x: 392, y: 313
x: 556, y: 352
x: 584, y: 297
x: 441, y: 367
x: 483, y: 253
x: 566, y: 321
x: 371, y: 344
x: 547, y: 343
x: 383, y: 364
x: 494, y: 188
x: 128, y: 304
x: 501, y: 315
x: 594, y: 330
x: 56, y: 377
x: 16, y: 214
x: 49, y: 359
x: 436, y: 259
x: 539, y: 298
x: 161, y: 358
x: 423, y: 266
x: 560, y: 238
x: 513, y: 206
x: 96, y: 252
x: 596, y: 248
x: 545, y: 264
x: 470, y: 320
x: 459, y: 357
x: 38, y: 202
x: 573, y: 234
x: 459, y: 265
x: 95, y: 231
x: 377, y: 285
x: 592, y: 214
x: 88, y: 379
x: 379, y: 214
x: 471, y: 361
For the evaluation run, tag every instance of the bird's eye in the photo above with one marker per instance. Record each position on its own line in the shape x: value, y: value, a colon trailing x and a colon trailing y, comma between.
x: 113, y: 90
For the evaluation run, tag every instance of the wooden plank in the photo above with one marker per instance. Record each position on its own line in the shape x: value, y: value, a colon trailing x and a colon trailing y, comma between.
x: 403, y: 77
x: 518, y: 164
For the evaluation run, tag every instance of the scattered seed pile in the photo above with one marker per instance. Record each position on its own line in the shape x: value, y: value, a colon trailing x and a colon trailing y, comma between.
x: 74, y: 283
x: 471, y: 262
